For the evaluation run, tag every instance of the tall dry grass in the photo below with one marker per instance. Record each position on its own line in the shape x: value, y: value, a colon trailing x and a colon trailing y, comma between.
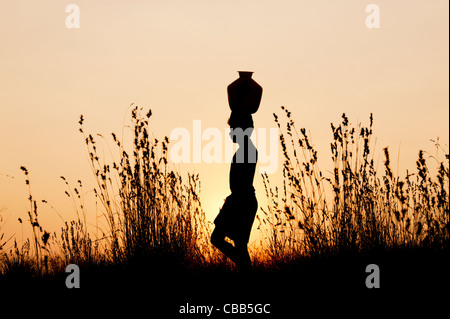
x: 150, y: 208
x: 355, y: 208
x: 152, y: 213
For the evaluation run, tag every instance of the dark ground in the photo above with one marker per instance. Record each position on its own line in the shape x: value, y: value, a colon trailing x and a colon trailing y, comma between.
x: 409, y: 280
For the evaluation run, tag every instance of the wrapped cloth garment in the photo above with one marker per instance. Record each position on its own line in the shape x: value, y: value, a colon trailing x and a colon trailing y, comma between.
x: 237, y: 215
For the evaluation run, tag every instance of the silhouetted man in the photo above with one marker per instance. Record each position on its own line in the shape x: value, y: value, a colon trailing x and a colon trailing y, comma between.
x: 237, y: 214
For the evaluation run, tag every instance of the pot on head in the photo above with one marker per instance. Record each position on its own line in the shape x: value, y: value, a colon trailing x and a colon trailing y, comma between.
x: 244, y: 94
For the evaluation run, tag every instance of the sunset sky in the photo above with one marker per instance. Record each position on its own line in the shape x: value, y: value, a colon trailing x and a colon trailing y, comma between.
x: 317, y: 58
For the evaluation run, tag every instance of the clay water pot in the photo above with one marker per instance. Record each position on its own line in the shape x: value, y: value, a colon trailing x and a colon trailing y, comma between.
x: 244, y: 94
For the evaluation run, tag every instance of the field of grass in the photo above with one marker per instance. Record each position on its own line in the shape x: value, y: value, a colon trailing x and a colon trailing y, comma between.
x: 321, y: 229
x: 357, y: 209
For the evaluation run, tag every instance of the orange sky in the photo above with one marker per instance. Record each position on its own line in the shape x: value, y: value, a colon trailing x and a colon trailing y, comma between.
x: 318, y: 58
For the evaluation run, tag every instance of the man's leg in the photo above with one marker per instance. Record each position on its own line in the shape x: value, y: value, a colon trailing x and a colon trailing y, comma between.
x: 243, y: 258
x: 218, y: 240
